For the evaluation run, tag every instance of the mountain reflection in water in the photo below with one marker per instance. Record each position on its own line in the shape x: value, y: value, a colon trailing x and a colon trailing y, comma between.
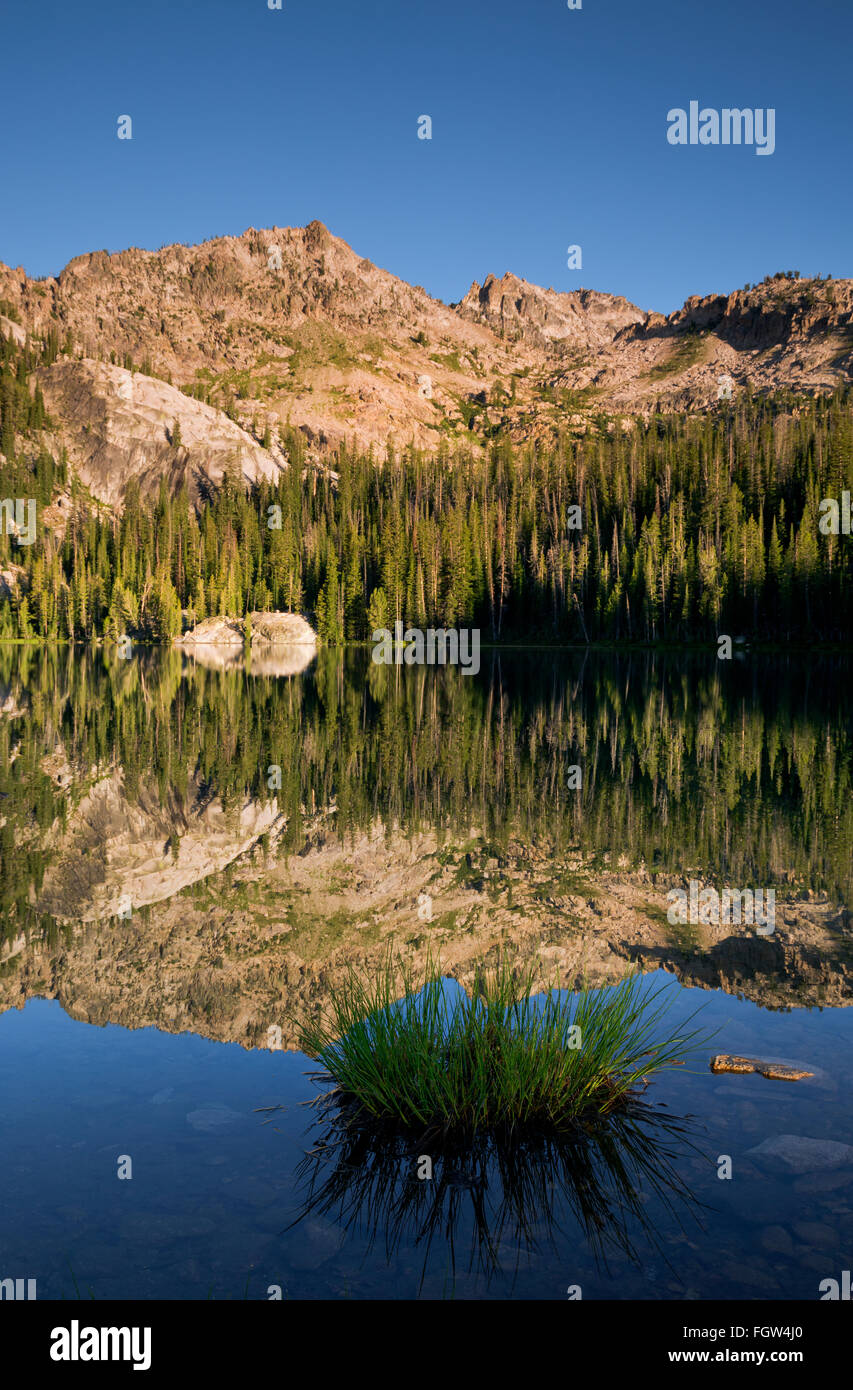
x: 271, y: 831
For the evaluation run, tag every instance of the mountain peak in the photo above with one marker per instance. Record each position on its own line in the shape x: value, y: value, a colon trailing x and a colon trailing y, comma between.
x: 290, y: 326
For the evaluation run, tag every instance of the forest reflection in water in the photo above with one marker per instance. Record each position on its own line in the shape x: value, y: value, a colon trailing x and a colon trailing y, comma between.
x: 736, y: 768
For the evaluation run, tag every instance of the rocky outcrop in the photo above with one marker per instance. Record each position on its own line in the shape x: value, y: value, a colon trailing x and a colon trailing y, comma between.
x: 12, y: 578
x: 275, y: 629
x: 768, y: 315
x: 285, y: 325
x: 119, y: 425
x: 12, y: 330
x: 582, y: 319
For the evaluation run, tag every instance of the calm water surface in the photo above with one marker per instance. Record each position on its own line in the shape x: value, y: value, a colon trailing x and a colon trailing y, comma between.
x: 151, y: 781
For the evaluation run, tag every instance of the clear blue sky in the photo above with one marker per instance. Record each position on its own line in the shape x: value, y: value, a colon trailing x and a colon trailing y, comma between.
x: 549, y: 128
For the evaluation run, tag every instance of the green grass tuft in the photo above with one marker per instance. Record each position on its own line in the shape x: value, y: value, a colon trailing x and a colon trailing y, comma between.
x: 501, y: 1061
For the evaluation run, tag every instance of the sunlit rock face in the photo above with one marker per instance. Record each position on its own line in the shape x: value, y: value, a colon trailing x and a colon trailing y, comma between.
x: 120, y: 426
x: 12, y: 948
x: 266, y: 629
x: 577, y: 319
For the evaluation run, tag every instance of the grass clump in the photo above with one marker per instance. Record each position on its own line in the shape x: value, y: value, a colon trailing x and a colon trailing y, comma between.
x: 502, y: 1061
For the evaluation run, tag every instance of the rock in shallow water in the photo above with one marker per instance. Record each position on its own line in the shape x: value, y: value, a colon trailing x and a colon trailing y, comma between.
x: 817, y: 1235
x: 777, y: 1240
x: 315, y: 1241
x: 800, y: 1154
x: 213, y: 1117
x: 774, y: 1071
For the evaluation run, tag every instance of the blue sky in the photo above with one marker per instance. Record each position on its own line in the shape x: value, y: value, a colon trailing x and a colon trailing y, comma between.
x: 549, y: 129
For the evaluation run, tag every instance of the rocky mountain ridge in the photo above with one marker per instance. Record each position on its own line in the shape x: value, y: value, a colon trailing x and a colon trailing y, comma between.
x: 241, y: 338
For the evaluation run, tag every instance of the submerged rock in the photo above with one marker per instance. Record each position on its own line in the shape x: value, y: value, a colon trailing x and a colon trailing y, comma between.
x: 819, y: 1184
x: 210, y: 1118
x: 777, y: 1240
x: 799, y: 1153
x: 817, y: 1234
x: 316, y: 1241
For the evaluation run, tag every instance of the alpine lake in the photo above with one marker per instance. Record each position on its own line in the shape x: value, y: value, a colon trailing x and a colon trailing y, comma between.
x: 193, y: 855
